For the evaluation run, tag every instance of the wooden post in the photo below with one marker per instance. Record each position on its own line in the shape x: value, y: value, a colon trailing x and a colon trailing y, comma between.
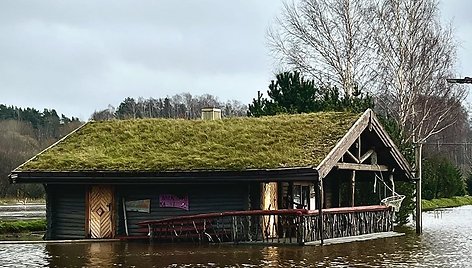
x: 353, y: 187
x: 392, y: 182
x: 124, y: 216
x: 234, y: 227
x: 320, y: 208
x: 353, y: 177
x: 301, y: 230
x: 418, y: 156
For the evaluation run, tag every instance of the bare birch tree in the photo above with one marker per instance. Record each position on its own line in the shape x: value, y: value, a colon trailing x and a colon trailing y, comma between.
x: 415, y: 56
x: 396, y: 48
x: 326, y: 39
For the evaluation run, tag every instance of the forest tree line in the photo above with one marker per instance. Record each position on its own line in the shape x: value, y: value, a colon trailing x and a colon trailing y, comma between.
x: 185, y: 106
x: 24, y: 133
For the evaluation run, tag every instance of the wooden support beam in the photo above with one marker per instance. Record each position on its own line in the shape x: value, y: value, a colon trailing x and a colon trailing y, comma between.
x: 361, y: 167
x: 348, y: 153
x: 320, y: 208
x: 366, y: 156
x: 353, y: 177
x: 353, y: 187
x: 359, y: 147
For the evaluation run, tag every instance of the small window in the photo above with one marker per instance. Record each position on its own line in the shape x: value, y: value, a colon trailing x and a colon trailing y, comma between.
x: 301, y: 196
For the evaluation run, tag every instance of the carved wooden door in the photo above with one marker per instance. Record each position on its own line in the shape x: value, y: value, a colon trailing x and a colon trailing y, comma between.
x: 101, y: 211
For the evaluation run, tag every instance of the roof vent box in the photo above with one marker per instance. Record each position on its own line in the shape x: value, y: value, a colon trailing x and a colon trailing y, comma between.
x: 211, y: 114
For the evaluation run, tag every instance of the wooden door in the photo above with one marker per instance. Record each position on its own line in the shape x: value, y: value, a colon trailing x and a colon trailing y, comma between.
x: 101, y: 211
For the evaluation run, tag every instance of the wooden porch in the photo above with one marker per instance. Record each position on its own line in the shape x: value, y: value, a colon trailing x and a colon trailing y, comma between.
x: 285, y: 226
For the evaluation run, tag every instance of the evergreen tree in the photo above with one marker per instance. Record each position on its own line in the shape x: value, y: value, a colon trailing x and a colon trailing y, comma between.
x: 291, y: 93
x: 441, y: 179
x: 127, y: 109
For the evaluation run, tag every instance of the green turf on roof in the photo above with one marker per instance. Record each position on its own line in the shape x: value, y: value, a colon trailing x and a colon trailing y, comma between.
x: 171, y: 145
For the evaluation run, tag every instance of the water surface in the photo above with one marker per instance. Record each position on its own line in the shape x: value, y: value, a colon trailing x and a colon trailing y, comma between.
x: 446, y: 241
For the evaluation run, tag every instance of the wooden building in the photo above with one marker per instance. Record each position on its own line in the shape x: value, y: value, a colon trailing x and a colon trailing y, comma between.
x: 109, y: 179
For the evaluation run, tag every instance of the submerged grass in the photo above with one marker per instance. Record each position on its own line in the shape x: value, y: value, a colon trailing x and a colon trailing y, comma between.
x: 455, y: 201
x: 170, y: 145
x: 8, y: 227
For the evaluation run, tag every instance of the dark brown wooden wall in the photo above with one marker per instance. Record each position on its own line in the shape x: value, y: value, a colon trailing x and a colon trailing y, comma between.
x: 203, y: 198
x: 65, y: 211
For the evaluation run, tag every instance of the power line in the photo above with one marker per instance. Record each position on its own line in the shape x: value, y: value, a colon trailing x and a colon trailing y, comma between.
x: 465, y: 80
x: 449, y: 143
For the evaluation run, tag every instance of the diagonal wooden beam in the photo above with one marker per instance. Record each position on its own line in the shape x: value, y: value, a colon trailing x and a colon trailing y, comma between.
x: 348, y: 153
x: 366, y: 156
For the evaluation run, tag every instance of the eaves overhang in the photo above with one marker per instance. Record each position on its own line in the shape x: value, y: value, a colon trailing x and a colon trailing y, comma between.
x: 164, y: 177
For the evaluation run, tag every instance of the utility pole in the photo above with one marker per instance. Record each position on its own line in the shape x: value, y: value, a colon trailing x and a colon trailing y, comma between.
x: 418, y: 146
x: 418, y: 155
x: 418, y: 175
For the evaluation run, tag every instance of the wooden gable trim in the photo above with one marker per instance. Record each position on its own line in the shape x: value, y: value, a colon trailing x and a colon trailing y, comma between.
x: 393, y: 149
x: 49, y: 147
x: 343, y: 145
x: 367, y: 119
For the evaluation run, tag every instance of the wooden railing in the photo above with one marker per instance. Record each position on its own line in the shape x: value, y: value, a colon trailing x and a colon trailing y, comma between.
x: 289, y: 226
x: 347, y: 221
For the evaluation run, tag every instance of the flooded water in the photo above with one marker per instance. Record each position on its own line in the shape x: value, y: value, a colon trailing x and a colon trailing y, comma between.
x: 446, y: 241
x: 22, y: 212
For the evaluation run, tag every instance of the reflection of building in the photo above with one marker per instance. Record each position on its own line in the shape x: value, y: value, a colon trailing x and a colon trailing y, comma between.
x: 84, y: 254
x: 106, y: 177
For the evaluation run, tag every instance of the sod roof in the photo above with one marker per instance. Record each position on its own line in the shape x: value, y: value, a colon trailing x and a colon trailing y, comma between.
x: 185, y: 145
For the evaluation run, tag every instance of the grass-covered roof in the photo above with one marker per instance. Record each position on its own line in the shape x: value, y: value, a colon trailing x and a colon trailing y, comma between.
x: 185, y: 145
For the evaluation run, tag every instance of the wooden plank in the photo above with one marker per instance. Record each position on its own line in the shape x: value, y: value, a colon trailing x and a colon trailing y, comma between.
x: 357, y: 238
x: 361, y: 167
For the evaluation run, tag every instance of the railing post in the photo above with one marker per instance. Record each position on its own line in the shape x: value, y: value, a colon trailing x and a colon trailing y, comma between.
x: 235, y: 229
x: 151, y: 232
x: 301, y: 230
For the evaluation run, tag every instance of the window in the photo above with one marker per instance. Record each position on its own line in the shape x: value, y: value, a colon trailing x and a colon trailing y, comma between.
x: 302, y: 195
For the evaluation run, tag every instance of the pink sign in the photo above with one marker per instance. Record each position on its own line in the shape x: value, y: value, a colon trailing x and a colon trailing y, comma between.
x: 172, y: 201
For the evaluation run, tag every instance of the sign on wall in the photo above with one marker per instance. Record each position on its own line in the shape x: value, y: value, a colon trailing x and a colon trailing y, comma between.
x: 139, y: 205
x: 173, y: 201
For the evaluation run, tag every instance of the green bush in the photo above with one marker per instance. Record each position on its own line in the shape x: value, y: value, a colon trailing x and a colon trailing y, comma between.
x: 22, y: 226
x: 441, y: 179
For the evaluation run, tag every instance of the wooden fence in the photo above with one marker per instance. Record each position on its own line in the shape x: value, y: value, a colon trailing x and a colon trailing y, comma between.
x: 286, y: 226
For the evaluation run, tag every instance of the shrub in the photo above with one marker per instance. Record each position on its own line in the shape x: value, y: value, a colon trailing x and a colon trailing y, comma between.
x: 441, y: 179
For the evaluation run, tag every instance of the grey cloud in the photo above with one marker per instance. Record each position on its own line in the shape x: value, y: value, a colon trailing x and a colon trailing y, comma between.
x: 78, y: 56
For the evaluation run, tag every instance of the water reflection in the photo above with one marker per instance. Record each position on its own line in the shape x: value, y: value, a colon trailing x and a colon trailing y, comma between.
x: 33, y: 255
x: 447, y: 241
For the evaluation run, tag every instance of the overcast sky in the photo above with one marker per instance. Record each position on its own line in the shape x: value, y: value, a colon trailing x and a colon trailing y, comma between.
x: 80, y: 56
